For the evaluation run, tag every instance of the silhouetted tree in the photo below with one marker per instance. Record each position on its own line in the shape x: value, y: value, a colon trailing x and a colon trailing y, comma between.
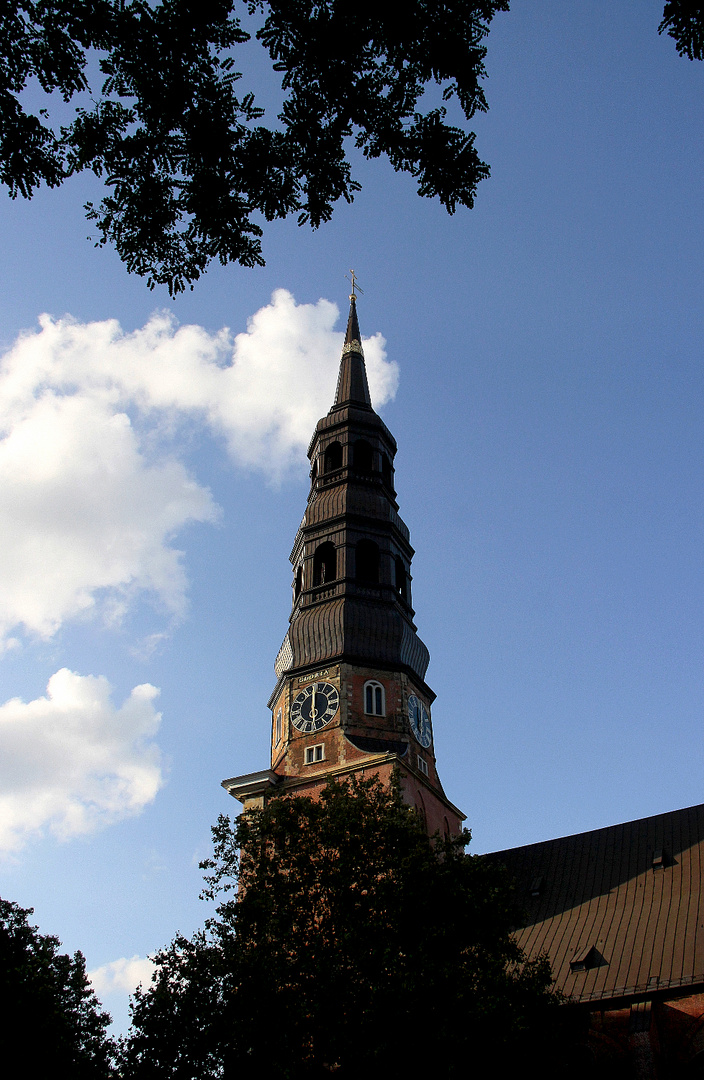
x: 684, y: 21
x: 346, y: 942
x: 50, y: 1018
x: 189, y: 169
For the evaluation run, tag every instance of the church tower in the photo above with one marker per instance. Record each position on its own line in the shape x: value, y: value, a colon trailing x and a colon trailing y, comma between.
x: 351, y: 696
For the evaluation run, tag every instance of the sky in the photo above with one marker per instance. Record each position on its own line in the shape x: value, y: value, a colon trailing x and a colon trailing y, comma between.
x: 539, y: 361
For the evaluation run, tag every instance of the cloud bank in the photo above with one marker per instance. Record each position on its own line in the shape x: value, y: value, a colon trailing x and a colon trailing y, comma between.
x: 94, y: 485
x: 72, y: 763
x: 121, y: 976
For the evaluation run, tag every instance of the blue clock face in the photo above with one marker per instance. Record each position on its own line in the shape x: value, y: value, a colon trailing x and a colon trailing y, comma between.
x: 420, y: 721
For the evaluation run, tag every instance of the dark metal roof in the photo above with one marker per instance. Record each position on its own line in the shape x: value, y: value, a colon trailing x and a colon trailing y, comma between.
x: 618, y: 911
x: 364, y: 629
x: 379, y: 746
x: 352, y: 386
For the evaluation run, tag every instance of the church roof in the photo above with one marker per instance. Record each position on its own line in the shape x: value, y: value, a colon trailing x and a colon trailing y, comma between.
x: 618, y: 911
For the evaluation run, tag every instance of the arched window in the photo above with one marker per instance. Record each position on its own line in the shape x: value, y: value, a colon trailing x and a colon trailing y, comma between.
x: 298, y: 584
x: 278, y: 727
x: 333, y: 457
x: 324, y: 563
x: 314, y: 471
x: 367, y: 562
x: 363, y: 457
x: 374, y: 699
x: 386, y: 471
x: 401, y: 580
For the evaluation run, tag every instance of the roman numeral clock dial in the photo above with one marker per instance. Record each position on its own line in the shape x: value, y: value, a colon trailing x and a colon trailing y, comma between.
x: 314, y: 707
x: 420, y: 721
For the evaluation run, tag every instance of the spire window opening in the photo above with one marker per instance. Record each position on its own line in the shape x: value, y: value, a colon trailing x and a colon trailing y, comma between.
x: 386, y: 471
x: 374, y: 699
x: 363, y: 458
x: 401, y: 579
x: 333, y: 457
x: 367, y: 562
x: 277, y: 733
x: 325, y: 564
x: 298, y: 583
x: 314, y: 471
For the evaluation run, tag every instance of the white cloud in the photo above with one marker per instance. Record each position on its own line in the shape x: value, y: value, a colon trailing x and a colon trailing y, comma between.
x: 122, y: 976
x: 91, y: 498
x: 83, y: 510
x: 71, y: 763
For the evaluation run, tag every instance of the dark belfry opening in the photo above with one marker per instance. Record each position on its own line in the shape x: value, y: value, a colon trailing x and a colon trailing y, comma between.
x: 363, y: 458
x: 298, y: 583
x: 386, y: 470
x: 333, y: 457
x: 367, y: 562
x: 324, y: 564
x: 401, y: 579
x: 314, y: 471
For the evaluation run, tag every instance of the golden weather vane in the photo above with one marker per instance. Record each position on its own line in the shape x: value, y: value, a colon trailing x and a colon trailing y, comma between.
x: 353, y: 282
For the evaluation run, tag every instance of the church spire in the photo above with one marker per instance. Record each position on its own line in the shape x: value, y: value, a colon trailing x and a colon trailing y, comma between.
x: 350, y: 696
x: 352, y: 386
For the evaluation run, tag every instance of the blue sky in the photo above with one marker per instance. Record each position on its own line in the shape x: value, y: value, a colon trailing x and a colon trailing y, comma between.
x: 547, y: 352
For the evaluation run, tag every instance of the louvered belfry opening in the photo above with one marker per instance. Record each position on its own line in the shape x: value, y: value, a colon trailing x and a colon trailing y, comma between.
x: 324, y: 564
x: 400, y: 578
x: 367, y: 562
x: 363, y: 458
x: 333, y: 457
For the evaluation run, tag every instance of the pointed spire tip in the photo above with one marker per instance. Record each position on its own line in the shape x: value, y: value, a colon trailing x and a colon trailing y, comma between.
x: 353, y: 338
x: 352, y: 387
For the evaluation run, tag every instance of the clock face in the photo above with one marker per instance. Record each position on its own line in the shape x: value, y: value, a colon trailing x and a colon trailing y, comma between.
x: 314, y: 707
x: 420, y: 721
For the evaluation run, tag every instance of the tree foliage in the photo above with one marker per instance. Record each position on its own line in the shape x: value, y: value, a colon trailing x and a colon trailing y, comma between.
x: 49, y: 1013
x: 684, y: 21
x: 345, y: 941
x: 190, y: 171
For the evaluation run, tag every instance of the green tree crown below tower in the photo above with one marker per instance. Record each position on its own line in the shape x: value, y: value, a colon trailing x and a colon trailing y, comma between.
x: 346, y: 942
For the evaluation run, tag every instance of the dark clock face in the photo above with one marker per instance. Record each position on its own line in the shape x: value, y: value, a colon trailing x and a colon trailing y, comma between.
x: 420, y: 721
x: 314, y: 707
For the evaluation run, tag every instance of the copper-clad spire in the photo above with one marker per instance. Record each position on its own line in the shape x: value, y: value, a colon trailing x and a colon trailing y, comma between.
x: 352, y: 386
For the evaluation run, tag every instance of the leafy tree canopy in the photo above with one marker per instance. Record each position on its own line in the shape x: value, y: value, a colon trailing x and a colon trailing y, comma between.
x: 50, y: 1017
x: 684, y: 21
x: 190, y: 171
x: 347, y: 942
